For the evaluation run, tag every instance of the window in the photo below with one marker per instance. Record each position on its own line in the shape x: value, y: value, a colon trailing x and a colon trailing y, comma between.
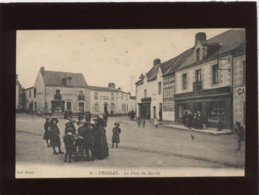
x: 145, y: 93
x: 215, y: 74
x: 112, y: 96
x: 30, y: 93
x: 184, y: 81
x: 159, y: 88
x: 96, y: 95
x: 198, y: 54
x: 216, y: 111
x: 34, y: 92
x: 244, y: 72
x: 96, y: 107
x: 81, y: 92
x: 57, y: 91
x: 198, y: 75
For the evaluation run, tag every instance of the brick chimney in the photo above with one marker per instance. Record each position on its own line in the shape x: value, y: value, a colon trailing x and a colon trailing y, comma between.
x: 42, y: 70
x: 201, y: 36
x: 111, y: 85
x: 156, y: 61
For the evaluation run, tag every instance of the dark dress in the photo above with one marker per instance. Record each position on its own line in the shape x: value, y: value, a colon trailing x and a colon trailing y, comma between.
x: 116, y: 135
x: 54, y: 136
x: 101, y: 150
x: 47, y: 131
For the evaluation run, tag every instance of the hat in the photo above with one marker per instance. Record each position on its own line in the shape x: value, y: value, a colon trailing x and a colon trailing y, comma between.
x: 117, y: 124
x: 100, y: 116
x: 54, y: 119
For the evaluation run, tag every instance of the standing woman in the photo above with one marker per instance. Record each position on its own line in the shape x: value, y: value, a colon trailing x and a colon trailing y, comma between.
x: 47, y: 131
x: 101, y: 150
x: 55, y: 136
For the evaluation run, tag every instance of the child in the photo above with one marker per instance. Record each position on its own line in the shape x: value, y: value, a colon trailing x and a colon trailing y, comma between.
x: 88, y: 134
x: 69, y: 140
x: 47, y: 131
x: 139, y: 122
x: 155, y: 122
x: 116, y: 135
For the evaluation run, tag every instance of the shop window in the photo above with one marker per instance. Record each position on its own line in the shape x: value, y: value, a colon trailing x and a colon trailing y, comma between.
x: 184, y: 80
x: 57, y: 92
x: 215, y: 74
x: 159, y: 88
x: 216, y: 111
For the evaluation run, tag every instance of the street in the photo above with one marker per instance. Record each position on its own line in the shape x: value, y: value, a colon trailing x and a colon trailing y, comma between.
x: 146, y: 148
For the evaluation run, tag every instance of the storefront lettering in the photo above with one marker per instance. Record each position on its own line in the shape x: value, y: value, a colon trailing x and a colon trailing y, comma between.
x: 241, y: 91
x: 168, y: 93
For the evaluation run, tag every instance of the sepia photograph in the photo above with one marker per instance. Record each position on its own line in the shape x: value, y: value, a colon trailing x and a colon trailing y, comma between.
x: 130, y: 103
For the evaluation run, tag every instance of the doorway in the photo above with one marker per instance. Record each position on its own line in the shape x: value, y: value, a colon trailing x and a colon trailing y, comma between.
x: 154, y: 111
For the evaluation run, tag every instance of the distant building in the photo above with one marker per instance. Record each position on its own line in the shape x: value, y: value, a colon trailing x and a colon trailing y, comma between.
x: 109, y: 99
x: 54, y: 92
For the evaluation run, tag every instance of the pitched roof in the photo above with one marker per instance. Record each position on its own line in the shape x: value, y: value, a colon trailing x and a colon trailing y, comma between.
x: 105, y: 89
x: 55, y: 78
x: 222, y: 43
x: 169, y: 66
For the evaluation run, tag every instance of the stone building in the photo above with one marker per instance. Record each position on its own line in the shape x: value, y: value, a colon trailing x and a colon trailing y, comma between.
x: 239, y: 93
x: 204, y: 81
x: 54, y: 92
x: 109, y: 99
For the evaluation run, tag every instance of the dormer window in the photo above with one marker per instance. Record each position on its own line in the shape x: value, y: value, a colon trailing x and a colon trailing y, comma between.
x: 198, y: 54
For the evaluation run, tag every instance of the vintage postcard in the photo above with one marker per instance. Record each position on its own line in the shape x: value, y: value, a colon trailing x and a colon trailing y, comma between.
x: 130, y: 103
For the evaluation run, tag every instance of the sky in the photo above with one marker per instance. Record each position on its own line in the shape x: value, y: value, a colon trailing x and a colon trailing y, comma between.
x: 102, y: 56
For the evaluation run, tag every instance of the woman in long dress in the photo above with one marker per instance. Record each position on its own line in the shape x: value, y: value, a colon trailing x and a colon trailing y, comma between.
x: 101, y: 150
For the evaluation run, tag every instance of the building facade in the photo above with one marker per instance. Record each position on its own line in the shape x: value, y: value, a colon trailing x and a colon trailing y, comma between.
x: 149, y: 93
x: 54, y: 92
x: 109, y: 99
x: 204, y: 80
x: 239, y: 91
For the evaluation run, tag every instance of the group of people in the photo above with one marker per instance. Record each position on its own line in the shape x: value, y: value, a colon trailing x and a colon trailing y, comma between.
x: 85, y: 135
x: 192, y: 120
x: 132, y: 114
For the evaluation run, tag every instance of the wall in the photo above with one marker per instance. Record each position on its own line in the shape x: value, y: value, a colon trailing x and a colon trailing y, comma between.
x: 206, y: 75
x: 68, y: 94
x: 123, y: 98
x: 40, y: 93
x: 168, y: 98
x: 103, y: 97
x: 152, y: 91
x: 239, y: 93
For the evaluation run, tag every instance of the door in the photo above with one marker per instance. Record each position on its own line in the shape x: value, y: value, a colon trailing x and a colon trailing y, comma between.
x: 35, y: 106
x: 69, y: 107
x: 81, y: 106
x: 154, y: 112
x: 160, y: 112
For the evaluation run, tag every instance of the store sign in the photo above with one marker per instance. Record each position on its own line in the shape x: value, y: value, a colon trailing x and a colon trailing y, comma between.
x: 241, y: 91
x: 168, y: 93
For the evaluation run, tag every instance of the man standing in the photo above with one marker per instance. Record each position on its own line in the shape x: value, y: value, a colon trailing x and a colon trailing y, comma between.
x: 240, y: 131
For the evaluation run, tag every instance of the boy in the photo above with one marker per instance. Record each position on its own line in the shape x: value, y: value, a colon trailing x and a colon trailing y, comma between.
x: 116, y: 135
x: 69, y: 140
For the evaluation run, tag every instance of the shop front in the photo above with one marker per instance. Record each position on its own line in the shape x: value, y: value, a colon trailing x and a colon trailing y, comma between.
x: 213, y: 106
x: 57, y: 106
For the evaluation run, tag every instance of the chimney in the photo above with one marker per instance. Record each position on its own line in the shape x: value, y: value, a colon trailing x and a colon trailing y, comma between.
x: 156, y: 61
x: 201, y: 36
x: 42, y: 70
x: 111, y: 85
